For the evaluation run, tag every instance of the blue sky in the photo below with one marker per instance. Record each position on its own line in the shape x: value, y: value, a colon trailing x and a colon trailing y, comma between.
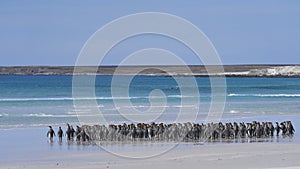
x: 243, y: 32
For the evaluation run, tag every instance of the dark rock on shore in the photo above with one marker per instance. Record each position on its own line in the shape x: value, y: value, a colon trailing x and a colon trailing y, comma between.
x: 229, y: 70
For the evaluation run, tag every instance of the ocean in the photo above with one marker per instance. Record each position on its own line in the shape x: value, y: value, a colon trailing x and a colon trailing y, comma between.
x: 29, y: 104
x: 29, y: 101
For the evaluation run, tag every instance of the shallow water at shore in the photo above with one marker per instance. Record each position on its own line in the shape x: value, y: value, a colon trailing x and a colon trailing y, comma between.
x: 31, y: 143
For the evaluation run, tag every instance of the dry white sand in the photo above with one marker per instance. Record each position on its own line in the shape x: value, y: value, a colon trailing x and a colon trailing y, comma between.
x: 223, y: 156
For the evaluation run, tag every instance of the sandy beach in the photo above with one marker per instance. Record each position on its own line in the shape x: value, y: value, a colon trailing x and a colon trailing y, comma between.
x: 231, y: 156
x: 29, y: 148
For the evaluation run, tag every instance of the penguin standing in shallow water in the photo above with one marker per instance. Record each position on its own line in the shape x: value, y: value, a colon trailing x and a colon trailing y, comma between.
x: 60, y: 134
x: 50, y: 133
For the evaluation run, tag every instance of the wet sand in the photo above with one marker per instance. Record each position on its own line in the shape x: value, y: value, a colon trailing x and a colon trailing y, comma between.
x: 29, y: 148
x: 223, y: 156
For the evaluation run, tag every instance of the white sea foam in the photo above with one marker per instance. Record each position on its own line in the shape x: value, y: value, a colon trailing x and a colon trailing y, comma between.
x: 181, y: 96
x: 65, y: 98
x: 37, y: 115
x: 185, y: 106
x: 263, y: 95
x: 233, y: 111
x: 87, y: 98
x: 14, y: 126
x: 56, y: 115
x: 165, y: 106
x: 36, y: 99
x: 3, y: 114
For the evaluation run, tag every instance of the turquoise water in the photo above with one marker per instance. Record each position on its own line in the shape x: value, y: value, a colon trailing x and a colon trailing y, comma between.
x: 47, y: 100
x: 28, y: 104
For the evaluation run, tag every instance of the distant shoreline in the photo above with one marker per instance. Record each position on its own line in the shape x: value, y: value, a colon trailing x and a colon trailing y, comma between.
x: 199, y: 71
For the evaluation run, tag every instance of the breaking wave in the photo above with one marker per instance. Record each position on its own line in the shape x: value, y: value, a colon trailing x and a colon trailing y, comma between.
x: 60, y: 115
x: 263, y: 95
x: 85, y: 98
x: 3, y: 115
x: 63, y: 98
